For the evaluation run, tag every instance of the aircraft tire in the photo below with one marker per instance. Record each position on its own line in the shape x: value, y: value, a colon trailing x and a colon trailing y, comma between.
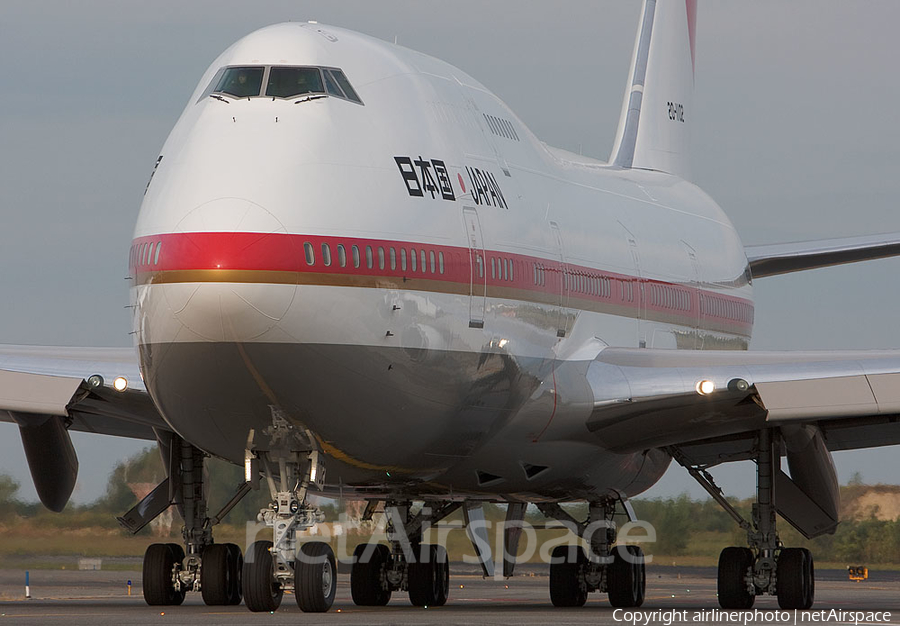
x: 220, y: 574
x: 315, y: 577
x: 566, y: 585
x: 429, y: 582
x: 795, y: 580
x: 261, y: 591
x: 235, y: 595
x: 626, y: 578
x: 159, y: 562
x: 366, y: 587
x: 732, y: 588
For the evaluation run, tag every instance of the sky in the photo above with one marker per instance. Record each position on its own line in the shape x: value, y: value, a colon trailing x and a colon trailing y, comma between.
x: 795, y: 136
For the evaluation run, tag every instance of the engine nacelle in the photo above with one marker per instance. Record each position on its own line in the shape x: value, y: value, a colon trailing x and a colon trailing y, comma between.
x: 51, y: 457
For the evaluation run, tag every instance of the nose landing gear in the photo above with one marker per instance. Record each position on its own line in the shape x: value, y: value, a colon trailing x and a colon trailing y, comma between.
x: 280, y: 565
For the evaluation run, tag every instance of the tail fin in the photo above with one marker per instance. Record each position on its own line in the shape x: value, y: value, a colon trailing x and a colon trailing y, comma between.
x: 656, y: 113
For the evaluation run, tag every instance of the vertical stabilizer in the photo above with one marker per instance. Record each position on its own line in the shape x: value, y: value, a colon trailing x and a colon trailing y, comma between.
x: 656, y: 115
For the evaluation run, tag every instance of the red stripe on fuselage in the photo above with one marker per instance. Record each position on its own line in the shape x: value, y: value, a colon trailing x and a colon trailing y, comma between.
x: 571, y: 285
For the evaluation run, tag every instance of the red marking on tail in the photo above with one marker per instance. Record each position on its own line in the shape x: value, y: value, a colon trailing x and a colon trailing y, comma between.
x: 691, y: 6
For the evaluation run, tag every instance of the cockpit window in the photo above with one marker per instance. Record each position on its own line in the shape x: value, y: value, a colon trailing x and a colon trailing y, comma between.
x: 345, y: 85
x: 332, y: 86
x: 280, y: 82
x: 287, y: 82
x: 242, y: 82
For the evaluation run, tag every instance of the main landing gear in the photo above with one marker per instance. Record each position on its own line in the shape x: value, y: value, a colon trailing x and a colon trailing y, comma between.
x: 420, y: 569
x: 619, y: 571
x: 219, y: 571
x: 170, y: 570
x: 766, y: 567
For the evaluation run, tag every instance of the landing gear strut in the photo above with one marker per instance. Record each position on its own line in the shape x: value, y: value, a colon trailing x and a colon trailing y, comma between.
x: 273, y: 567
x: 766, y: 567
x: 573, y: 574
x: 408, y: 565
x: 169, y: 571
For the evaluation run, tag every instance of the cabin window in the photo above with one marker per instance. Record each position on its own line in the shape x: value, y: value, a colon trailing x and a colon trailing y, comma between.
x: 422, y: 258
x: 431, y: 258
x: 326, y: 255
x: 412, y: 258
x: 403, y: 259
x: 393, y: 255
x: 493, y: 267
x: 156, y: 254
x: 441, y: 262
x: 380, y: 258
x: 369, y: 258
x: 480, y: 263
x: 511, y: 263
x: 310, y: 255
x: 342, y: 255
x: 355, y: 252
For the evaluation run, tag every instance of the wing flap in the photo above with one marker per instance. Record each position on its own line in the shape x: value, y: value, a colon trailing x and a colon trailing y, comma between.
x: 829, y: 398
x: 36, y: 393
x: 817, y: 398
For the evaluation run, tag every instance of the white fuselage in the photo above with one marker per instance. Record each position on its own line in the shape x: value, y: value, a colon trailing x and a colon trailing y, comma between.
x: 448, y: 378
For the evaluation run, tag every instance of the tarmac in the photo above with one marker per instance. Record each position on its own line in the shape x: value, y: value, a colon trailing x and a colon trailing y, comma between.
x: 675, y: 595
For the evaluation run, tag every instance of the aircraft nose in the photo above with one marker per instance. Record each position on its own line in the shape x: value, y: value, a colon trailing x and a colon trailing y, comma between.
x: 226, y: 284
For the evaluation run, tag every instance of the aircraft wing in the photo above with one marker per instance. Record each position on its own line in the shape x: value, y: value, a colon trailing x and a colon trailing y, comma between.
x: 36, y: 381
x: 649, y: 399
x: 783, y: 258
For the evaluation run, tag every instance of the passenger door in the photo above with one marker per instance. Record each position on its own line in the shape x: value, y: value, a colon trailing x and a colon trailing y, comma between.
x: 477, y: 273
x: 562, y: 318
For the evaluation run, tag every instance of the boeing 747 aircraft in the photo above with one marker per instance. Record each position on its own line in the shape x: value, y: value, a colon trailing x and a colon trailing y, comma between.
x: 356, y: 271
